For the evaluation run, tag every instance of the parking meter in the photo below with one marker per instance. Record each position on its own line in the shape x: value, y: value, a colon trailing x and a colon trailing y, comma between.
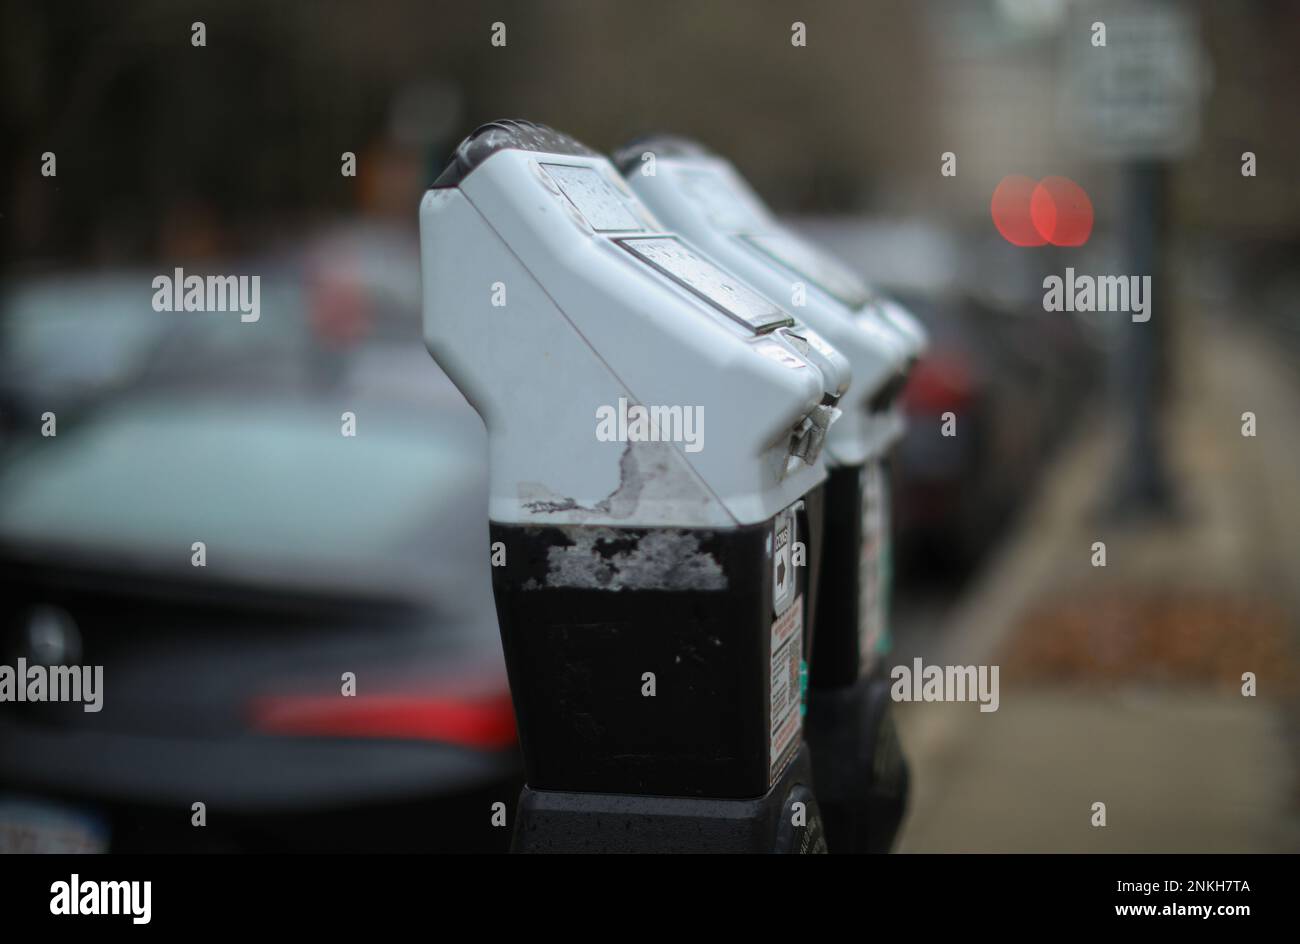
x: 859, y: 769
x: 655, y: 429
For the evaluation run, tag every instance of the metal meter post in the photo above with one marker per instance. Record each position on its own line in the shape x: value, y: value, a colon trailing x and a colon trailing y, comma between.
x: 1135, y: 98
x: 655, y: 429
x: 859, y: 770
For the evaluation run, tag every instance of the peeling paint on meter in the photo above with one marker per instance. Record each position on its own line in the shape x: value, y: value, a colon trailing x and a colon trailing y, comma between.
x: 672, y: 258
x: 813, y: 265
x: 594, y: 198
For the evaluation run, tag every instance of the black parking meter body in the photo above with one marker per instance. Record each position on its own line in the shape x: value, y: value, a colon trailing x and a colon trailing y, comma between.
x: 857, y: 753
x: 861, y: 776
x: 652, y: 591
x: 692, y: 768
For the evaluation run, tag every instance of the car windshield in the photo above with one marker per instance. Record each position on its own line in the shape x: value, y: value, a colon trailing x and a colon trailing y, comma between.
x: 318, y: 446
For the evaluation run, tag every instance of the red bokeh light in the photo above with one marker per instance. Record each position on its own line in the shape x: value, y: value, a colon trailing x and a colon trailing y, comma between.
x: 1054, y: 210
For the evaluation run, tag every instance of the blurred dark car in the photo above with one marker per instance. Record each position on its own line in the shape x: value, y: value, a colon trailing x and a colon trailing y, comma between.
x: 1015, y: 382
x: 1013, y: 375
x: 331, y: 560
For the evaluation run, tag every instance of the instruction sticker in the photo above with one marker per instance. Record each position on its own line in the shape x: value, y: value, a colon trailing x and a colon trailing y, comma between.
x: 787, y: 695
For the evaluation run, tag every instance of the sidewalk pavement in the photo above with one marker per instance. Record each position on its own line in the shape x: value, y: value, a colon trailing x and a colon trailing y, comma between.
x: 1122, y: 684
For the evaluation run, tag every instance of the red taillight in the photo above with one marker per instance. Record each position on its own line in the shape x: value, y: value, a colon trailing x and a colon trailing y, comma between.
x: 940, y: 381
x: 486, y: 722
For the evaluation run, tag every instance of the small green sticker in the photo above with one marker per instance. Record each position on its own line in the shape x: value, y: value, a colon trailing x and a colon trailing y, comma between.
x: 803, y: 688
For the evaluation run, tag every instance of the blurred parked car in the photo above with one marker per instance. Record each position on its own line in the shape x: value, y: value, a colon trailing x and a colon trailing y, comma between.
x: 332, y: 561
x: 1013, y: 376
x: 1014, y: 383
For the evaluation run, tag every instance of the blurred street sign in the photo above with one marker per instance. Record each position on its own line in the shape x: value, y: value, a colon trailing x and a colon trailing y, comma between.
x: 1137, y: 97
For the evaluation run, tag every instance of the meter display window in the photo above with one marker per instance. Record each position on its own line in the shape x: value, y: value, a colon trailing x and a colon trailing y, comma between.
x: 813, y: 266
x: 725, y: 207
x: 593, y: 197
x: 692, y: 271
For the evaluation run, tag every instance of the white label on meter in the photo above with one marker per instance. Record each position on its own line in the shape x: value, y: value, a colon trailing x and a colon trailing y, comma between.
x: 810, y: 263
x: 723, y: 291
x: 783, y: 541
x: 874, y: 567
x: 594, y: 198
x: 786, y: 688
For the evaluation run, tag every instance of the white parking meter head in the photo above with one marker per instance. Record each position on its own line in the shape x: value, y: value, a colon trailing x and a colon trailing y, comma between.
x: 701, y: 196
x: 914, y: 335
x: 624, y: 378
